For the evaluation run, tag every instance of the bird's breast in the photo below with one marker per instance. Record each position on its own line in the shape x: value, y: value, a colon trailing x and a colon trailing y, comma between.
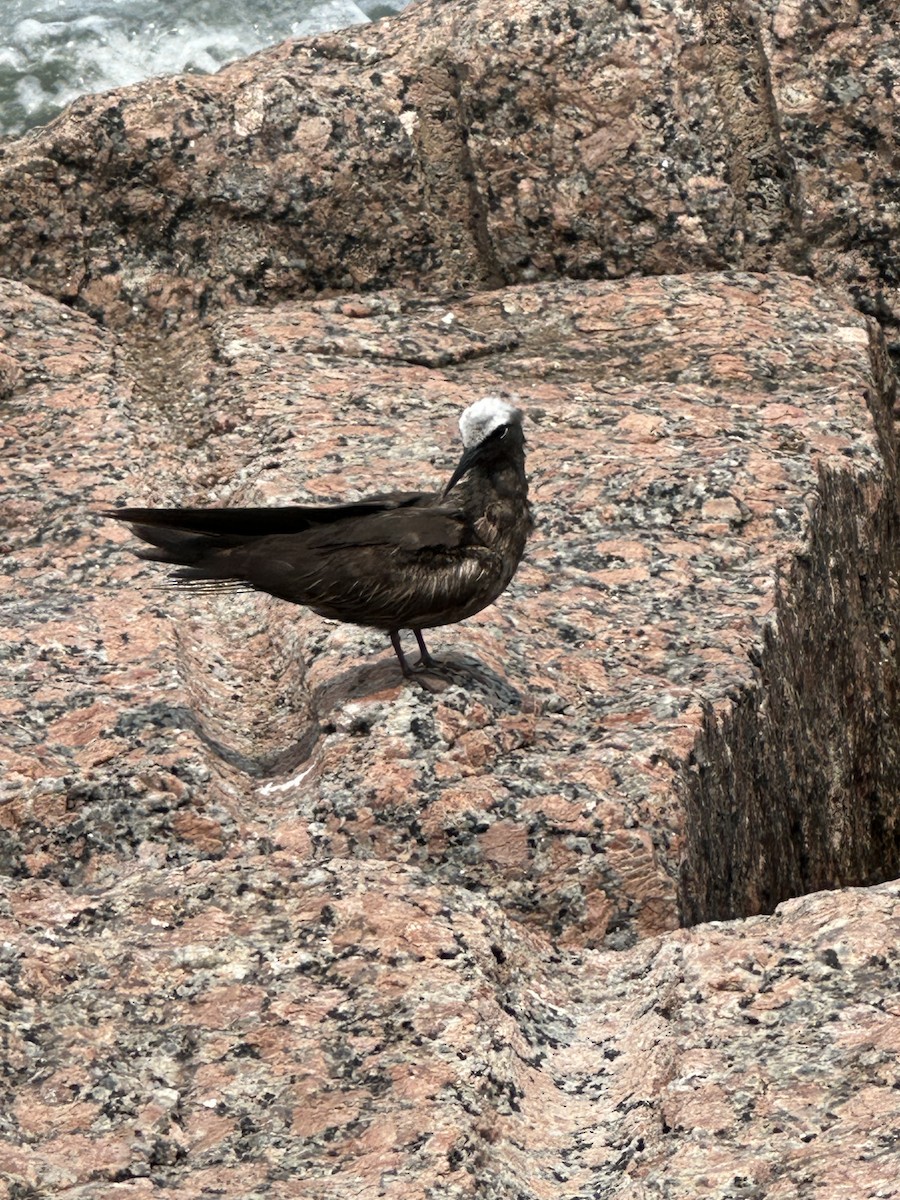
x: 504, y: 526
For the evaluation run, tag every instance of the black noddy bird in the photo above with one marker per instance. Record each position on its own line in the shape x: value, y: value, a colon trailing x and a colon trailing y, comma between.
x: 397, y: 560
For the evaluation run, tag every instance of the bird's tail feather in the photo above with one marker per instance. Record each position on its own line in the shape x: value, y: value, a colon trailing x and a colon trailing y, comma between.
x: 177, y: 547
x: 198, y: 581
x: 186, y: 537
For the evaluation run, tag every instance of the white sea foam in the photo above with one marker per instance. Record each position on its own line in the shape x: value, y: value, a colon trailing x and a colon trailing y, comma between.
x: 330, y: 14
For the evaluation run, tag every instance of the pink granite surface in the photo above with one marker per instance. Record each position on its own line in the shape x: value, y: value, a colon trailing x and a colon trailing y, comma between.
x: 279, y: 920
x: 252, y: 1027
x: 275, y: 922
x: 467, y: 144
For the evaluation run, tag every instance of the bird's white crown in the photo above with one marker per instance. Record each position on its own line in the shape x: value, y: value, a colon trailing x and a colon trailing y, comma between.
x: 484, y: 416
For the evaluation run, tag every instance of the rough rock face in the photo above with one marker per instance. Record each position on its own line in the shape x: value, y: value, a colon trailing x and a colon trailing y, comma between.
x: 672, y: 486
x: 279, y: 919
x: 255, y: 1027
x: 274, y: 921
x: 468, y: 144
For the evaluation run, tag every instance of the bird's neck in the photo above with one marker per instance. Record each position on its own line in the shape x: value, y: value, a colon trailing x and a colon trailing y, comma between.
x: 494, y: 499
x: 503, y: 481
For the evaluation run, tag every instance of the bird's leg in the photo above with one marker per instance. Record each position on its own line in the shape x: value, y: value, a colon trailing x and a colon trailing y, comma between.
x: 427, y: 660
x: 429, y: 682
x: 398, y: 650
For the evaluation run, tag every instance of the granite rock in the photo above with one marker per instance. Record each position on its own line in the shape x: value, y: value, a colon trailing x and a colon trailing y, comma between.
x: 255, y: 1026
x: 274, y: 921
x: 467, y: 144
x: 280, y: 920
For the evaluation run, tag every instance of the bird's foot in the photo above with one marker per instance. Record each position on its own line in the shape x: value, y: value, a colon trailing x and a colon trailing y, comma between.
x: 422, y: 671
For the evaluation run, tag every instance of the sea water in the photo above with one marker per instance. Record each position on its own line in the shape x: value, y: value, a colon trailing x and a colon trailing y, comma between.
x: 54, y: 50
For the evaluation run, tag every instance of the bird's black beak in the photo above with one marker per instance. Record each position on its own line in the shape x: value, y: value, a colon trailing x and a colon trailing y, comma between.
x: 468, y: 460
x: 474, y: 453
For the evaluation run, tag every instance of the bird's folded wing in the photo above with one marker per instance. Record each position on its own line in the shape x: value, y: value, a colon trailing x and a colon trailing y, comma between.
x: 391, y: 569
x: 404, y: 531
x: 230, y: 523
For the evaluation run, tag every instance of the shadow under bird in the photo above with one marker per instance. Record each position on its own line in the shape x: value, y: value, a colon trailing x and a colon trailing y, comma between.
x: 397, y: 560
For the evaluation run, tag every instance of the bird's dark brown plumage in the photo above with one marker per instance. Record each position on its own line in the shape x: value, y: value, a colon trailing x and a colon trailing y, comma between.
x: 403, y: 560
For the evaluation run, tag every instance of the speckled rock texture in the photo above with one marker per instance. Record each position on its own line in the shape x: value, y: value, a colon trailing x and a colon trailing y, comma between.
x: 276, y: 921
x: 258, y: 1028
x: 470, y: 144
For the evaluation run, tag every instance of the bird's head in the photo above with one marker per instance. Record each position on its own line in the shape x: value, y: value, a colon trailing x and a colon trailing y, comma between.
x: 484, y: 418
x: 490, y: 427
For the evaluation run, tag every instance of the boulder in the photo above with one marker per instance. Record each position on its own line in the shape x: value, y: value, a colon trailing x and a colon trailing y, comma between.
x: 465, y: 145
x: 609, y: 911
x: 278, y: 918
